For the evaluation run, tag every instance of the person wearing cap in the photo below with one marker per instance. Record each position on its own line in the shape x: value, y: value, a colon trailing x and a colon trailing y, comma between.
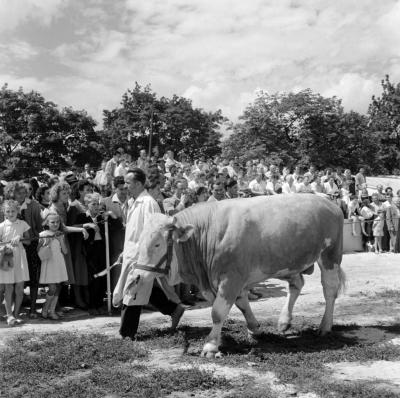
x: 70, y: 178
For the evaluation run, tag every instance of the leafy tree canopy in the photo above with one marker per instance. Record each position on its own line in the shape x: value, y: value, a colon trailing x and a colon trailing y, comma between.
x: 300, y: 128
x: 174, y: 122
x: 35, y: 134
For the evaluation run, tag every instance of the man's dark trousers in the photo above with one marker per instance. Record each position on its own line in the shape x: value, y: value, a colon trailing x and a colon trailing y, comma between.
x: 130, y: 314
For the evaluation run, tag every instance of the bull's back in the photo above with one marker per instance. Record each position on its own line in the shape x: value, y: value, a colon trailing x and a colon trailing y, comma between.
x: 274, y: 233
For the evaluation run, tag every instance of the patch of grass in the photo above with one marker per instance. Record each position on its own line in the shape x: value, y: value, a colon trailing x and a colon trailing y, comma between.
x: 125, y: 382
x: 357, y: 389
x: 63, y: 352
x: 159, y: 383
x: 388, y: 294
x: 71, y: 365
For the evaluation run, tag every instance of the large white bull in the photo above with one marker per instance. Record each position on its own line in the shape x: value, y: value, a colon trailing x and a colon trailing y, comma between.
x: 226, y: 247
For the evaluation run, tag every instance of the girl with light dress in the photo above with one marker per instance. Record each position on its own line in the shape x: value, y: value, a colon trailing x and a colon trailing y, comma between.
x: 379, y: 222
x: 16, y: 272
x: 354, y: 214
x: 52, y: 249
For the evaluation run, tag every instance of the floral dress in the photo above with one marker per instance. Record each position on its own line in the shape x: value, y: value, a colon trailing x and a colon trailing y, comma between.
x: 19, y: 272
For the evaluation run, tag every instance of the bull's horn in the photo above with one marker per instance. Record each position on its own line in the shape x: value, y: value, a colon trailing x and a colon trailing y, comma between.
x: 171, y: 222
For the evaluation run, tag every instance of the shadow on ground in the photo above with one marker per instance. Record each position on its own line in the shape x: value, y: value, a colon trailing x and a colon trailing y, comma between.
x: 306, y: 340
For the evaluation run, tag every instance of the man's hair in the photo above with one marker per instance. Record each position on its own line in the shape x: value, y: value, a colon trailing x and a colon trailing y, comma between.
x: 79, y: 187
x: 200, y: 190
x: 230, y: 183
x: 179, y: 181
x: 118, y: 181
x: 138, y: 175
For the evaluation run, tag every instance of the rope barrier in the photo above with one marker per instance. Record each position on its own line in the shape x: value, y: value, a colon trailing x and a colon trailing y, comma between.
x: 26, y: 240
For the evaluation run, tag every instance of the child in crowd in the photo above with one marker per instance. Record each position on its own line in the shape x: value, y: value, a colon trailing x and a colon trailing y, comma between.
x: 379, y: 222
x: 366, y: 216
x: 354, y: 215
x: 392, y: 220
x: 14, y: 272
x: 51, y: 250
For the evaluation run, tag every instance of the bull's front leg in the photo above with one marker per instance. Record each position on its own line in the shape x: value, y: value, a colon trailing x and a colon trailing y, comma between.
x: 228, y: 290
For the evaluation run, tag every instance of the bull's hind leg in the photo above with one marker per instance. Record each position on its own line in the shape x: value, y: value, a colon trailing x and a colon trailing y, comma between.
x: 228, y: 290
x: 296, y: 283
x: 332, y: 279
x: 253, y: 326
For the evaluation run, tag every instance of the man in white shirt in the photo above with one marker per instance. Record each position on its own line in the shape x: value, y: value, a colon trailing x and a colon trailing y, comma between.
x: 112, y: 165
x: 138, y: 214
x: 143, y: 161
x: 218, y: 192
x: 102, y: 178
x: 330, y: 187
x: 121, y: 169
x: 259, y: 187
x: 169, y: 161
x: 197, y: 180
x: 289, y: 186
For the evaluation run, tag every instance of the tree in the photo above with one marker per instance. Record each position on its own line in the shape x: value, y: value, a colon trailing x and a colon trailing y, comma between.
x: 174, y: 123
x: 384, y: 124
x: 298, y: 128
x: 35, y: 134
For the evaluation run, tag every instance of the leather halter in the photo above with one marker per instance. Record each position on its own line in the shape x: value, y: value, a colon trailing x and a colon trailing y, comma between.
x: 166, y: 258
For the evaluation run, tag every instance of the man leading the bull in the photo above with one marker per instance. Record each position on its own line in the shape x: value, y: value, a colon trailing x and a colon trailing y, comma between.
x: 139, y: 210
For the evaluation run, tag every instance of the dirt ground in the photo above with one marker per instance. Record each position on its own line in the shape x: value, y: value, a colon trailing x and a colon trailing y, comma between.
x: 370, y: 278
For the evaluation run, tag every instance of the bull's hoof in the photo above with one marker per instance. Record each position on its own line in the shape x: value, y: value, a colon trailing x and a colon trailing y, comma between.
x: 210, y: 351
x: 254, y: 334
x: 211, y: 354
x: 284, y: 326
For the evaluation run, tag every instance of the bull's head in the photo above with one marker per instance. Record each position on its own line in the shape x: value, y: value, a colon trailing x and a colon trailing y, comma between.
x: 155, y: 255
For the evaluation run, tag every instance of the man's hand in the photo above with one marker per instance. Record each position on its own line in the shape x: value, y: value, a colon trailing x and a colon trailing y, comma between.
x: 89, y: 225
x: 85, y: 234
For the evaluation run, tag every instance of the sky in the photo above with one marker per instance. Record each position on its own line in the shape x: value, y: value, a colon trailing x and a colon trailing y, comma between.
x: 219, y: 53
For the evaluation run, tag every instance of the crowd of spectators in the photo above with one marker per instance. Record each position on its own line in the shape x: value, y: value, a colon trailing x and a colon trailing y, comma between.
x: 63, y: 216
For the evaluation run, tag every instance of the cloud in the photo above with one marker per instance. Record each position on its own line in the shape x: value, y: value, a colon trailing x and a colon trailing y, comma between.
x: 19, y: 50
x: 218, y: 53
x: 355, y: 91
x: 15, y: 12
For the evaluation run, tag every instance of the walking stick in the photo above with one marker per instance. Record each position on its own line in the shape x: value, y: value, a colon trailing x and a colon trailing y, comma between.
x: 108, y: 266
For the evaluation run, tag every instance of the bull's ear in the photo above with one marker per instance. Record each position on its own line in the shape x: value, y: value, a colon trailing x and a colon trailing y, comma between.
x: 185, y: 233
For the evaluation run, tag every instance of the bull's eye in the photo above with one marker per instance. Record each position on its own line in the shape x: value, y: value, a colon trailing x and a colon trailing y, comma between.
x: 158, y: 245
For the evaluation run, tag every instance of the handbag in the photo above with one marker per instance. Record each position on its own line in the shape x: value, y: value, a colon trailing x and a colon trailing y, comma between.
x: 44, y: 252
x: 6, y: 258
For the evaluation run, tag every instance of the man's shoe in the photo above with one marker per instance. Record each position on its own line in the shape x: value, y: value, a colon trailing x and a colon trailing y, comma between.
x: 176, y: 317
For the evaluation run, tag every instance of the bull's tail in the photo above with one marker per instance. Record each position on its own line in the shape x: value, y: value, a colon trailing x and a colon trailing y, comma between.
x: 342, y: 281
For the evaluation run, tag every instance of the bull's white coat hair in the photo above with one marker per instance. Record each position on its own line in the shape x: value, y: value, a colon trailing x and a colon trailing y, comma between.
x: 236, y: 243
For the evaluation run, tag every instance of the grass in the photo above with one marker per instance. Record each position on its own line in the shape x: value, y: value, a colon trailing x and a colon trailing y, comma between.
x: 59, y: 353
x: 69, y: 365
x: 298, y: 358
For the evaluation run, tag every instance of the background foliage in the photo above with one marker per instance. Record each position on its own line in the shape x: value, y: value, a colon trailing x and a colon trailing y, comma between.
x: 284, y: 128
